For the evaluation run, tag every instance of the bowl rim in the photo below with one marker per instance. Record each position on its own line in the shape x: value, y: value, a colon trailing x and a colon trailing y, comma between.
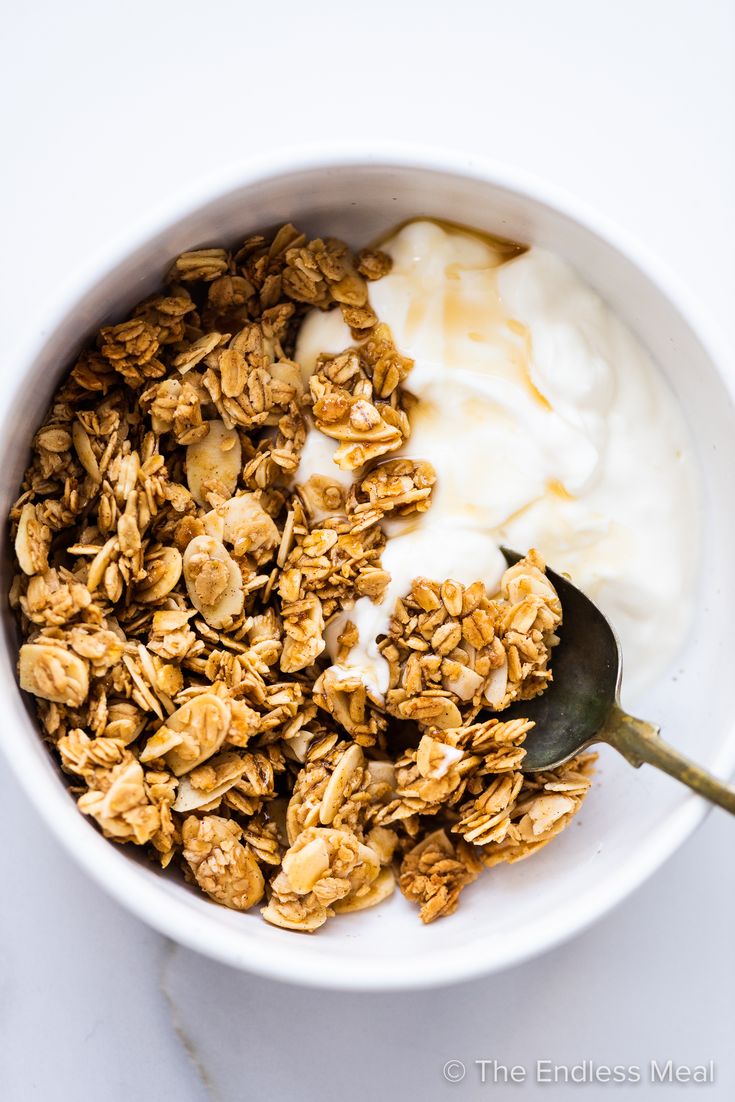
x: 123, y: 879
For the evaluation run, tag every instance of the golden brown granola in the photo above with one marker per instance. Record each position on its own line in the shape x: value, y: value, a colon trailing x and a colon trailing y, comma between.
x: 175, y: 583
x: 433, y: 873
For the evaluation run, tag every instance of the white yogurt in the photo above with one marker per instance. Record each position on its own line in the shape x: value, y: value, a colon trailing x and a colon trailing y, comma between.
x: 548, y: 425
x: 317, y: 457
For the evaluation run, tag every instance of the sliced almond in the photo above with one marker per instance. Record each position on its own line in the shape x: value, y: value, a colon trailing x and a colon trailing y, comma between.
x: 465, y: 683
x: 163, y: 575
x: 334, y: 793
x: 83, y: 448
x: 383, y: 842
x: 53, y: 673
x: 189, y: 798
x: 31, y: 548
x: 160, y: 744
x: 299, y: 745
x: 306, y: 866
x: 216, y: 459
x: 382, y: 888
x: 217, y: 591
x: 204, y: 722
x: 243, y: 522
x: 296, y: 915
x: 289, y: 374
x: 382, y: 772
x: 496, y: 685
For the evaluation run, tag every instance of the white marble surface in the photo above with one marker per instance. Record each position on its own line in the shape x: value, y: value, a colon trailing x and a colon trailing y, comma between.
x: 112, y: 109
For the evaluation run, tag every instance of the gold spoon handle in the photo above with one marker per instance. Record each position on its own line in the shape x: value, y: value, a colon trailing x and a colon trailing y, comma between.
x: 640, y: 742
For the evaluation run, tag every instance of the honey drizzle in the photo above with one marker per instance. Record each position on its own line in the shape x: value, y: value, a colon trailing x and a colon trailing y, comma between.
x: 507, y: 248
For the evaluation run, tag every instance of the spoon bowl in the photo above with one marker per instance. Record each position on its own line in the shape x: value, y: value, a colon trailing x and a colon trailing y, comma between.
x: 581, y: 706
x: 587, y: 675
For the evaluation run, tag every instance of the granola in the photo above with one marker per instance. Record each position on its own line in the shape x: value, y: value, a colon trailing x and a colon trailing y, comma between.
x: 175, y: 586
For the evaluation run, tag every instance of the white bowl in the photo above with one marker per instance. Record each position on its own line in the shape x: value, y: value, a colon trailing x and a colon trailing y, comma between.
x: 632, y: 820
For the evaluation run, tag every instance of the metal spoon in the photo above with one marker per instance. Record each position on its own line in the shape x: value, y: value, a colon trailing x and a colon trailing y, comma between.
x: 581, y: 706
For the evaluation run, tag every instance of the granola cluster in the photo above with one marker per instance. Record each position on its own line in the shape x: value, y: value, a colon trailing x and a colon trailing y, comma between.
x: 174, y: 585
